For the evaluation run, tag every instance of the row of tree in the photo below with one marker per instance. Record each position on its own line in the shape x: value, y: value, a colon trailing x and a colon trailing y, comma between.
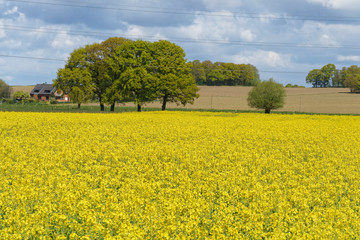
x: 329, y: 76
x: 224, y: 74
x: 119, y: 70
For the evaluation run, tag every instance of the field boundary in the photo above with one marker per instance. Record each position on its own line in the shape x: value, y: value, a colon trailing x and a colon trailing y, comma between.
x: 234, y: 98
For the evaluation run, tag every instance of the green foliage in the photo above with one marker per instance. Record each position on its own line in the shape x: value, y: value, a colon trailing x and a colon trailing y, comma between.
x: 119, y: 70
x: 132, y: 64
x: 224, y: 74
x: 339, y: 78
x: 328, y: 73
x: 315, y: 77
x: 75, y: 78
x: 321, y: 77
x: 21, y: 96
x: 87, y: 73
x: 4, y: 89
x: 352, y: 78
x: 289, y: 85
x: 267, y: 95
x: 175, y: 83
x: 103, y: 79
x: 148, y: 71
x: 198, y: 72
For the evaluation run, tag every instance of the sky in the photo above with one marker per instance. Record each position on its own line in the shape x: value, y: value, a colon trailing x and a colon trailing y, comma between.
x: 283, y: 39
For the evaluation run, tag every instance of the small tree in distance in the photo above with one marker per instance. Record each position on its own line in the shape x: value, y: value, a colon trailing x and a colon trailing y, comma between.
x: 267, y: 95
x: 4, y: 89
x: 21, y: 96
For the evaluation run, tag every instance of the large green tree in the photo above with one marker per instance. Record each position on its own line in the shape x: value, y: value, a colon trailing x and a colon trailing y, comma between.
x: 132, y: 65
x: 328, y: 74
x: 112, y: 95
x: 267, y: 95
x: 91, y: 60
x: 75, y: 79
x: 315, y: 77
x: 102, y: 76
x: 174, y: 79
x: 339, y: 78
x: 321, y: 77
x: 5, y: 89
x: 94, y: 57
x: 352, y: 78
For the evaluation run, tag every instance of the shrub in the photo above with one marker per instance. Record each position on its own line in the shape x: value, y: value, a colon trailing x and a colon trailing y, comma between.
x: 267, y: 95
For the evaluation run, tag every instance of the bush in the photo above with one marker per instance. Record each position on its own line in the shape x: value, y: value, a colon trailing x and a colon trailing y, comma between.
x: 267, y: 95
x: 21, y: 96
x: 289, y: 85
x: 32, y: 100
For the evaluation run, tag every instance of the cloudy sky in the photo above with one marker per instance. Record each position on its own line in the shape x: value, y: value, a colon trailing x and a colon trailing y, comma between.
x: 283, y: 39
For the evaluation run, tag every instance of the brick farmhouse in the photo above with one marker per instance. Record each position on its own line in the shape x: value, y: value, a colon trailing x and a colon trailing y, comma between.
x: 43, y: 92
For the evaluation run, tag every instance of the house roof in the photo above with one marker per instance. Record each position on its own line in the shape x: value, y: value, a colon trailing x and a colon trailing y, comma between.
x: 43, y: 89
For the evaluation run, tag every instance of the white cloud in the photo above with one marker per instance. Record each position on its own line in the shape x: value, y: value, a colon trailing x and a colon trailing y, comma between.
x: 11, y: 11
x: 264, y: 59
x: 326, y: 39
x: 218, y: 28
x: 62, y: 41
x: 329, y: 34
x: 135, y: 32
x: 348, y: 58
x: 8, y: 79
x: 228, y: 4
x: 339, y: 4
x: 14, y: 12
x: 2, y: 31
x: 247, y: 35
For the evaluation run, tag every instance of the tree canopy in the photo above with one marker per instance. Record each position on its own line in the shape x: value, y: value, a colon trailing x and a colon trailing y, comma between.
x: 97, y: 56
x: 131, y: 63
x: 21, y: 96
x: 267, y: 95
x: 149, y: 71
x: 75, y: 79
x: 119, y: 69
x: 352, y: 78
x: 173, y: 73
x: 329, y: 76
x: 4, y: 89
x: 224, y: 74
x: 321, y: 77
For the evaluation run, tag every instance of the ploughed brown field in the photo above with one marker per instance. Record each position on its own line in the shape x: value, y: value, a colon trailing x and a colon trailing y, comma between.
x: 311, y: 100
x: 27, y: 89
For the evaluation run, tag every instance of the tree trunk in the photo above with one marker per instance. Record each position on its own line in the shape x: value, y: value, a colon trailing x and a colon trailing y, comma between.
x: 139, y: 108
x: 164, y: 103
x: 102, y: 107
x: 112, y: 109
x: 267, y: 110
x: 79, y: 105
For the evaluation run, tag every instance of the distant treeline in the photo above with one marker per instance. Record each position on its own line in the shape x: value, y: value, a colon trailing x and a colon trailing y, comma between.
x: 329, y: 76
x: 224, y: 74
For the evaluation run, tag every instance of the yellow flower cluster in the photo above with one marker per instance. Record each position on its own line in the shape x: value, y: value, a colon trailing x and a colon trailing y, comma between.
x: 179, y: 175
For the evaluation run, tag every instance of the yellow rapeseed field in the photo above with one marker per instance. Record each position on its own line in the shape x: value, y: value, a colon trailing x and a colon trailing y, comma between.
x: 179, y: 175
